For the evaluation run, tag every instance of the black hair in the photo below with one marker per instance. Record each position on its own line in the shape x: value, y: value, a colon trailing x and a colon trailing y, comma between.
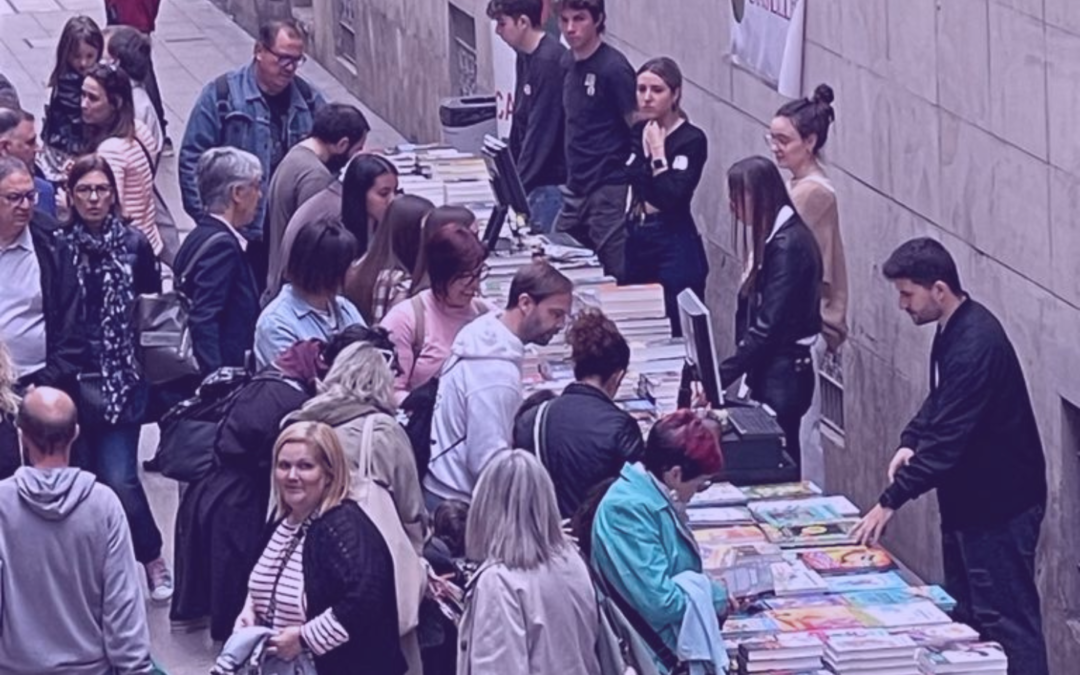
x: 78, y: 29
x: 50, y: 436
x: 923, y: 261
x: 812, y: 115
x: 448, y: 524
x: 533, y: 10
x: 360, y: 176
x: 377, y: 336
x: 757, y: 182
x: 594, y: 7
x: 539, y: 280
x: 449, y: 252
x: 9, y: 119
x: 88, y: 164
x: 597, y: 348
x: 335, y: 121
x: 131, y: 49
x: 320, y: 256
x: 269, y: 31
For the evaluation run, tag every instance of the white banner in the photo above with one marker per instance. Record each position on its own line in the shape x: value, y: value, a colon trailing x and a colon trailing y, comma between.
x: 767, y: 39
x: 503, y: 61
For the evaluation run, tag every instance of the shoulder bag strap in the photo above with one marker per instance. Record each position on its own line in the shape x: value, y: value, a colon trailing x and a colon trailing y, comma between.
x: 367, y: 441
x: 419, y: 329
x: 540, y: 433
x: 199, y: 253
x: 638, y: 622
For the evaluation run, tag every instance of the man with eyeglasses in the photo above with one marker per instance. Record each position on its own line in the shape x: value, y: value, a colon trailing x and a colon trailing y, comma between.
x: 263, y: 108
x: 39, y: 305
x: 18, y: 139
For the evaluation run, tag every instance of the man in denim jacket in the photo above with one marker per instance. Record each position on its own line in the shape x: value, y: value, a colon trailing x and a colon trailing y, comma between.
x: 263, y: 108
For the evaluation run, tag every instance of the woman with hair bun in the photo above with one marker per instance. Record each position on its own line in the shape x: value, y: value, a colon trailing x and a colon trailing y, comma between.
x: 584, y: 437
x: 796, y: 137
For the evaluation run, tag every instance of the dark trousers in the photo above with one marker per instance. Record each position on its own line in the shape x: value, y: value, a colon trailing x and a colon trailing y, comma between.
x: 674, y: 257
x: 598, y: 221
x: 991, y: 574
x: 786, y: 384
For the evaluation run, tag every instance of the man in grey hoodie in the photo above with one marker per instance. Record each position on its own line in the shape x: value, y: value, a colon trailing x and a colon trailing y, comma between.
x: 70, y: 589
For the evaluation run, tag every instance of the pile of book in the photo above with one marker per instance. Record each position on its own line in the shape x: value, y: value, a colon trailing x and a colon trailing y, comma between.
x: 788, y: 552
x: 442, y: 175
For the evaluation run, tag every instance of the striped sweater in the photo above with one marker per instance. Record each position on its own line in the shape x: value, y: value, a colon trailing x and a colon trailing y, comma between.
x: 135, y: 179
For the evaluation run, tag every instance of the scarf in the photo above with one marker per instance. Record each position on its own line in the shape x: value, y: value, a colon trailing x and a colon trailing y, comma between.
x: 303, y: 361
x: 103, y: 255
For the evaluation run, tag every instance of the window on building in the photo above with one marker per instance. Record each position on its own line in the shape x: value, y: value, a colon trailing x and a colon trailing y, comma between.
x: 462, y: 52
x: 345, y: 29
x: 831, y: 379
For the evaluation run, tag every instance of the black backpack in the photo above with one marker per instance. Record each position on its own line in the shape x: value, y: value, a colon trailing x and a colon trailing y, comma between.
x: 419, y: 406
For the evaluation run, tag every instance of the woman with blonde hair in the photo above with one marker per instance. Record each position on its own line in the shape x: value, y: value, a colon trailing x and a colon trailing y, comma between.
x: 325, y: 582
x: 531, y: 608
x: 9, y: 406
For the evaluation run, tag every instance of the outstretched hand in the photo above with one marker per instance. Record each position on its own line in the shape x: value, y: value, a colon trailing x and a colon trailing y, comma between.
x: 869, y: 530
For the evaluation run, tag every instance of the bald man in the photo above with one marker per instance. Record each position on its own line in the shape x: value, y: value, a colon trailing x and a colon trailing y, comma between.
x: 71, y: 589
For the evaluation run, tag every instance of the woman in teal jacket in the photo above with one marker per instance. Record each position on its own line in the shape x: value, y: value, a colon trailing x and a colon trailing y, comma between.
x: 640, y: 540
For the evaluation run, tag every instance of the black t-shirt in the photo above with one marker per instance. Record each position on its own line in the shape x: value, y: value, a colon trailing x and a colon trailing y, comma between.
x: 536, y: 138
x: 686, y: 150
x: 599, y: 94
x: 279, y: 118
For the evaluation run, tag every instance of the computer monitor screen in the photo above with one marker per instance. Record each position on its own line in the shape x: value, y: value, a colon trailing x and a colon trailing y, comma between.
x: 700, y: 344
x: 505, y: 180
x: 495, y: 226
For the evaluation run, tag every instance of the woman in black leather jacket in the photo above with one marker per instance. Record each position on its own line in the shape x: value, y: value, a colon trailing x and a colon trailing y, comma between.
x: 585, y: 437
x: 779, y: 300
x: 114, y: 264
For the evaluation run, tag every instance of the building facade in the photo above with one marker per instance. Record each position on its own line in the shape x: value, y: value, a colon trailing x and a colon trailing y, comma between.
x: 955, y: 120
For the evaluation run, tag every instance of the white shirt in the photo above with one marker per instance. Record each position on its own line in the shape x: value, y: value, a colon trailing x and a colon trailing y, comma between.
x: 22, y: 305
x: 144, y: 112
x: 235, y: 232
x: 785, y: 215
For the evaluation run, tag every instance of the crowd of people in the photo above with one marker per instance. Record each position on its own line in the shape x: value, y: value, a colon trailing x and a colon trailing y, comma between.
x: 376, y: 410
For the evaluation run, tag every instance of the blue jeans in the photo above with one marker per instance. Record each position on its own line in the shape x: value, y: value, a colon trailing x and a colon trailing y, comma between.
x: 545, y: 202
x: 113, y: 454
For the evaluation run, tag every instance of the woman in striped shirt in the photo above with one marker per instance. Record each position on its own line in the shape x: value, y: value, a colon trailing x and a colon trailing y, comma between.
x: 108, y: 111
x: 325, y: 581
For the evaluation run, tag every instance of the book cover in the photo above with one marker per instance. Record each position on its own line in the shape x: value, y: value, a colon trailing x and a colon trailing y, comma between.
x: 943, y: 634
x: 748, y: 625
x: 813, y: 534
x: 794, y: 578
x: 804, y: 601
x: 847, y: 559
x: 781, y: 646
x: 719, y: 494
x: 896, y: 596
x: 918, y: 613
x: 869, y: 581
x: 964, y: 657
x: 816, y: 618
x: 718, y: 516
x: 715, y: 543
x: 808, y: 509
x: 865, y: 644
x: 782, y: 491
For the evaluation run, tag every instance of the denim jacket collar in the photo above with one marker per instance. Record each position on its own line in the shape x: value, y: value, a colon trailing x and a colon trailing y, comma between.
x: 249, y: 88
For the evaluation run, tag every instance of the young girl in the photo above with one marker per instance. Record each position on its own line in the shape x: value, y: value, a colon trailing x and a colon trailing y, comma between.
x: 80, y: 48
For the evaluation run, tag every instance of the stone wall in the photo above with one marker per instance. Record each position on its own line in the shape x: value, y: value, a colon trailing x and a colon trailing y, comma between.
x: 955, y: 120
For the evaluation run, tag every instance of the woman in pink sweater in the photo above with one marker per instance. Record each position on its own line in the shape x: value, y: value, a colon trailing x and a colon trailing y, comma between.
x: 423, y: 329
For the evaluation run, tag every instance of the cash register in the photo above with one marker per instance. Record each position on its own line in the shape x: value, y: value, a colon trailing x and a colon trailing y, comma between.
x: 752, y: 441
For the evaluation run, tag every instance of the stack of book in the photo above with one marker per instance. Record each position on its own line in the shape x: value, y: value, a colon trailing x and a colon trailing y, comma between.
x: 780, y: 653
x: 970, y: 658
x: 870, y: 652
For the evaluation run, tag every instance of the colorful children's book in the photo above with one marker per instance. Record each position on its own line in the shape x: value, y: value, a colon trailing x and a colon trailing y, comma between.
x: 736, y: 626
x: 719, y: 494
x: 804, y: 601
x: 895, y: 596
x: 943, y: 634
x: 812, y: 534
x: 847, y: 559
x: 719, y: 516
x: 918, y: 613
x: 798, y: 619
x: 800, y: 511
x: 715, y: 542
x: 795, y: 578
x: 870, y: 581
x: 781, y: 491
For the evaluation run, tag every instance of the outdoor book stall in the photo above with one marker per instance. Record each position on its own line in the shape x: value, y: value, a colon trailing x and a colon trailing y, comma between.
x: 815, y: 601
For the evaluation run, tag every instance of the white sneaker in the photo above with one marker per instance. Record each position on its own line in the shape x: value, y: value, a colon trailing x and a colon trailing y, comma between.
x: 159, y: 578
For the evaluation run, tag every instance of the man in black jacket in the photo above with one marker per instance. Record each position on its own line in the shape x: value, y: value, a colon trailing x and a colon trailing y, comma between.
x: 39, y: 306
x: 975, y: 440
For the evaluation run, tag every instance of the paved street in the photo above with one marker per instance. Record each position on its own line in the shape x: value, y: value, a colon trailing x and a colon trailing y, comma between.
x: 194, y: 43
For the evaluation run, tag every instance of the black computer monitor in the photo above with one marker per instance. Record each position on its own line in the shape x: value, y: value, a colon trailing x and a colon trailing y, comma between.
x: 701, y: 345
x: 505, y: 180
x: 495, y: 226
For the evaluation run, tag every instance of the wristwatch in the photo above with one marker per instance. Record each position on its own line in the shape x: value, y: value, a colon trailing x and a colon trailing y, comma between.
x: 659, y: 164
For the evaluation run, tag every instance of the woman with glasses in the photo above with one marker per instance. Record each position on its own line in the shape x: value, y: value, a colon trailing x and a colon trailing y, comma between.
x: 796, y: 138
x: 779, y: 303
x: 382, y: 278
x: 663, y: 245
x: 114, y: 264
x: 219, y: 524
x: 310, y: 305
x: 108, y: 113
x: 423, y: 329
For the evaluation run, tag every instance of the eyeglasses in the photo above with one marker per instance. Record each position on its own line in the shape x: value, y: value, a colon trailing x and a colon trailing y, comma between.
x: 772, y: 141
x: 477, y: 275
x: 287, y: 60
x: 16, y: 198
x: 91, y: 191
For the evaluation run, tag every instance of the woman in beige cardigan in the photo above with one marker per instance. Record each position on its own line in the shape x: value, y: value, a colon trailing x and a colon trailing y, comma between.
x: 796, y: 136
x: 357, y: 399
